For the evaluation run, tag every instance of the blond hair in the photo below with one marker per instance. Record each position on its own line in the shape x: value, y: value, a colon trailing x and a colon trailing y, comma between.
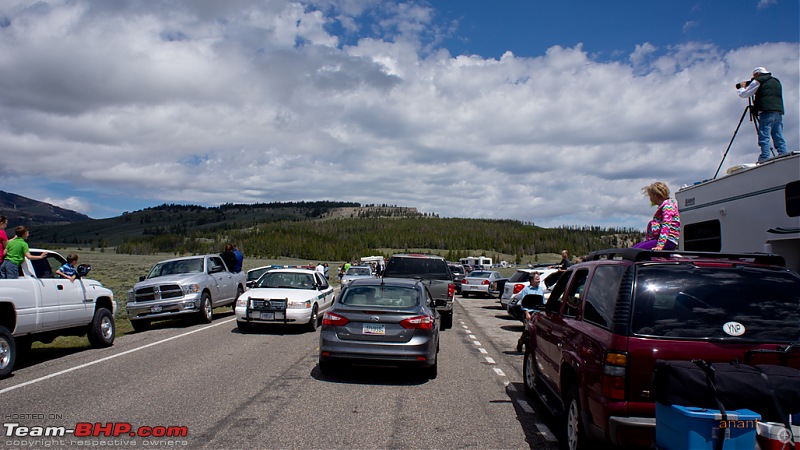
x: 658, y: 189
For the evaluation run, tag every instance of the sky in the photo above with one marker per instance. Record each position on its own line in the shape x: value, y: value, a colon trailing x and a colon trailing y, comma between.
x: 555, y: 113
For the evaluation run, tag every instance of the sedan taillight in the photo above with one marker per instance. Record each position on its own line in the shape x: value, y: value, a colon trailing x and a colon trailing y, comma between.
x: 465, y: 281
x: 334, y: 319
x: 484, y: 282
x: 419, y: 322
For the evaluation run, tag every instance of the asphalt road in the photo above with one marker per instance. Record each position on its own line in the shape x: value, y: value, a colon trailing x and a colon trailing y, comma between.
x: 263, y: 389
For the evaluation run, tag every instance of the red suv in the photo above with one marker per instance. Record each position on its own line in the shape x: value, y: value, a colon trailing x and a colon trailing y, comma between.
x: 592, y: 350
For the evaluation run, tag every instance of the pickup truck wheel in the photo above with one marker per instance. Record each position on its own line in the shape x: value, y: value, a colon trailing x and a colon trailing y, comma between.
x: 102, y: 329
x: 447, y: 320
x: 529, y: 376
x: 576, y: 437
x: 314, y: 320
x: 8, y: 352
x: 206, y: 310
x: 140, y: 325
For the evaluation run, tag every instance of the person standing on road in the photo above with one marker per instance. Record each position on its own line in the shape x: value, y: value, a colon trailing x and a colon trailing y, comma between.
x: 535, y: 287
x: 768, y: 104
x: 16, y: 251
x: 664, y: 230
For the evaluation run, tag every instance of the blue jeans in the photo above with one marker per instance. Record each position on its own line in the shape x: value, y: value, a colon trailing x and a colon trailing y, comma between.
x: 770, y: 123
x: 9, y: 270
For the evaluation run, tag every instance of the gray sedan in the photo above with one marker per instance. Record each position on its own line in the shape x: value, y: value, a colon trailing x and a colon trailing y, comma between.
x: 377, y: 321
x: 480, y: 282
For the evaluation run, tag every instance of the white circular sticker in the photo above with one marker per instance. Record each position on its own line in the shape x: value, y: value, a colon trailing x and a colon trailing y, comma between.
x: 733, y: 328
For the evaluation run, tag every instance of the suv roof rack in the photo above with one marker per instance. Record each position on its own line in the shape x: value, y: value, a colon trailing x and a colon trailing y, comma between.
x: 638, y: 254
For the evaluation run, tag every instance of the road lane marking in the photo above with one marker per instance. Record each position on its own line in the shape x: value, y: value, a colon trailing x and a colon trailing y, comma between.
x: 107, y: 358
x: 472, y: 336
x: 499, y: 372
x: 544, y: 431
x: 483, y: 350
x: 478, y: 343
x: 490, y: 360
x: 525, y: 406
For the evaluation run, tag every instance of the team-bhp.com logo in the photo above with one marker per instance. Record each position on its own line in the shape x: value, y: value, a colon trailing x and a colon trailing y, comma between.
x: 87, y: 429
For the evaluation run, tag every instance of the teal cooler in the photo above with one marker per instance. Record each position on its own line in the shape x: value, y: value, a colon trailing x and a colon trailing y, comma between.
x: 688, y: 427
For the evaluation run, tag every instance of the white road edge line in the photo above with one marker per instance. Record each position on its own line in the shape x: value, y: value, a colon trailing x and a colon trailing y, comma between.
x: 72, y: 369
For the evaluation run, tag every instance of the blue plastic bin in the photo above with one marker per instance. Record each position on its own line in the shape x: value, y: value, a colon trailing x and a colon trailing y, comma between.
x: 690, y: 428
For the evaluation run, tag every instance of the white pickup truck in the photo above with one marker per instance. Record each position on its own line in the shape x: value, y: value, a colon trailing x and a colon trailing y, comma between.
x: 192, y: 285
x: 40, y: 306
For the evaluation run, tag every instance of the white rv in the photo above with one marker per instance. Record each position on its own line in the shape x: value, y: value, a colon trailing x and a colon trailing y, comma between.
x: 753, y: 208
x: 477, y: 260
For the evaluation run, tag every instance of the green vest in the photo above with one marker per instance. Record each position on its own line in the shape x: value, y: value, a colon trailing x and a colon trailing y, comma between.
x: 769, y: 96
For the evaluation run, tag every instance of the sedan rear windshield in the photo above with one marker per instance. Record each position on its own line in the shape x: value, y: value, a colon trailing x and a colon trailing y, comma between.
x: 380, y: 296
x: 733, y: 303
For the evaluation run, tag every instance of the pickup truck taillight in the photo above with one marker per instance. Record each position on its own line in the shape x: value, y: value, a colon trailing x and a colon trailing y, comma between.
x: 451, y: 290
x: 615, y: 369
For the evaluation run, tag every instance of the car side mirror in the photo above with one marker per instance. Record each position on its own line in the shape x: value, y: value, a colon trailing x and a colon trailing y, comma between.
x: 439, y: 303
x: 143, y: 277
x: 83, y: 270
x: 532, y: 301
x: 250, y: 284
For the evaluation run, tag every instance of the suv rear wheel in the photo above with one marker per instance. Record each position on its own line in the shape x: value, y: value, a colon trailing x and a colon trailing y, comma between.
x: 529, y: 376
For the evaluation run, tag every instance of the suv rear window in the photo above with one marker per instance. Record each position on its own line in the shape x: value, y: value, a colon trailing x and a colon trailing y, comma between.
x: 697, y: 302
x: 424, y: 268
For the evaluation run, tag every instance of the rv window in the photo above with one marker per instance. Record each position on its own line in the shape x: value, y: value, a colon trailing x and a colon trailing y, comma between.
x: 793, y: 199
x: 702, y: 236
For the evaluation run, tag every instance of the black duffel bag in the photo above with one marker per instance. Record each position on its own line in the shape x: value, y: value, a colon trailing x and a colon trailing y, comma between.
x: 770, y: 390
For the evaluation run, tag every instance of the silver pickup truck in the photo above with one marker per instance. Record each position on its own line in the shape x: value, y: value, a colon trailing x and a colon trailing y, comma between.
x: 192, y: 285
x: 41, y: 306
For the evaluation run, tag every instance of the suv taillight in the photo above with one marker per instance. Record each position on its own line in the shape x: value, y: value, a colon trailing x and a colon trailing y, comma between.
x: 420, y: 322
x: 615, y: 369
x: 451, y: 290
x: 334, y: 319
x: 518, y: 287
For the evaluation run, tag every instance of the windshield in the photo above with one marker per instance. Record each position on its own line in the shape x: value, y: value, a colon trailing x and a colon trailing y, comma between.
x: 743, y: 303
x: 194, y: 265
x: 286, y: 280
x: 254, y: 275
x: 383, y: 296
x: 359, y: 271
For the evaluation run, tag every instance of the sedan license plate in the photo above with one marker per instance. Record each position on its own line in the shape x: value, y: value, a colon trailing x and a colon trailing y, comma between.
x: 473, y: 288
x: 374, y: 329
x: 267, y: 316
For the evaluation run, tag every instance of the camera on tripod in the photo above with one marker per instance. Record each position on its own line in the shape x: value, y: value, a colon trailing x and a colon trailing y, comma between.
x: 743, y: 84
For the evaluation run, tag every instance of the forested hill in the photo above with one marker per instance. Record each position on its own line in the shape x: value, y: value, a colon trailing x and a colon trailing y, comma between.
x: 332, y: 231
x: 21, y: 210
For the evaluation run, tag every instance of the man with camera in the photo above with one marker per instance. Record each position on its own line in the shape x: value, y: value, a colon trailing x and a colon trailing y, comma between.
x: 768, y: 104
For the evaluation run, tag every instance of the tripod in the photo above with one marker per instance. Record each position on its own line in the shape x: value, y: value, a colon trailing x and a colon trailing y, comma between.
x: 753, y: 118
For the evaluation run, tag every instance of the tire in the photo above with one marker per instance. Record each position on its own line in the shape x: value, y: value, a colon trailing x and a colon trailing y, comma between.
x: 239, y: 292
x: 243, y: 326
x: 206, y: 314
x: 529, y: 375
x: 102, y: 329
x: 576, y: 436
x: 447, y: 320
x: 8, y: 352
x: 140, y: 325
x: 314, y: 320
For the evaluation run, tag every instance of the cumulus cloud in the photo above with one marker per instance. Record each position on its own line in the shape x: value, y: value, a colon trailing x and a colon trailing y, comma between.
x: 210, y: 102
